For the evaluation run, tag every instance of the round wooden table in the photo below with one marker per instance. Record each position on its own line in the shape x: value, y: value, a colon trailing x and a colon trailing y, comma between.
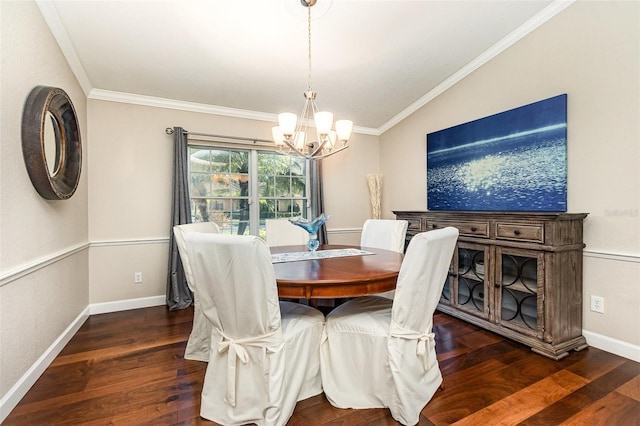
x: 337, y: 277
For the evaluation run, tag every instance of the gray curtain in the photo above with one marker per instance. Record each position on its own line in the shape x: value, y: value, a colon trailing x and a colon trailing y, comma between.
x: 317, y: 197
x: 178, y: 294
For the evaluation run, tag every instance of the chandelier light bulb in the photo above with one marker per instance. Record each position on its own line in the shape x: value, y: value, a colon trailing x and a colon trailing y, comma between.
x: 287, y: 121
x: 300, y: 140
x: 324, y: 121
x: 277, y: 135
x: 344, y: 129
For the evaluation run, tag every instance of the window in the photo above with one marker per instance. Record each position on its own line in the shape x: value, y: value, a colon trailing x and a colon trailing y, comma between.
x: 240, y: 188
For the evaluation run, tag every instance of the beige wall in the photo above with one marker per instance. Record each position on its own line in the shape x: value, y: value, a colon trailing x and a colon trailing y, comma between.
x: 591, y: 51
x: 130, y: 190
x: 48, y: 276
x: 43, y: 244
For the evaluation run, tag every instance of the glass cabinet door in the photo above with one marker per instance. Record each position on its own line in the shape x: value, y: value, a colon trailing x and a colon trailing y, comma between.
x: 519, y: 291
x: 447, y: 290
x: 470, y: 290
x: 445, y: 297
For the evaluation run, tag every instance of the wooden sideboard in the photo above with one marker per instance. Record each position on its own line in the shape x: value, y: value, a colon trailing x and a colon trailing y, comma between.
x: 516, y: 274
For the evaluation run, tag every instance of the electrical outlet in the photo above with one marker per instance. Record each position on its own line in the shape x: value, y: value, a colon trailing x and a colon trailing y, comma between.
x: 137, y: 277
x: 597, y: 304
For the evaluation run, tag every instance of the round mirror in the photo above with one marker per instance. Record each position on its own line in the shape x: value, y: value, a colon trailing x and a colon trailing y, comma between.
x: 51, y: 143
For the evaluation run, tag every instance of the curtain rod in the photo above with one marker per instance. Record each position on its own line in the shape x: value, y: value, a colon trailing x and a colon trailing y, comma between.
x: 169, y: 131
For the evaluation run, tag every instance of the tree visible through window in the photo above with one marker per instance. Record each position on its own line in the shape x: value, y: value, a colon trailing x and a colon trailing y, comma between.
x: 239, y: 189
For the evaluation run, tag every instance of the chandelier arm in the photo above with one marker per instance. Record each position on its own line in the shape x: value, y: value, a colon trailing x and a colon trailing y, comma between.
x: 304, y: 117
x: 291, y: 146
x: 319, y: 147
x: 320, y: 157
x: 303, y: 127
x: 314, y: 107
x: 305, y: 111
x: 293, y: 149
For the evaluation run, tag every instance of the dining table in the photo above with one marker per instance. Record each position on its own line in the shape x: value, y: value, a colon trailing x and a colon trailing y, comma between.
x: 334, y: 271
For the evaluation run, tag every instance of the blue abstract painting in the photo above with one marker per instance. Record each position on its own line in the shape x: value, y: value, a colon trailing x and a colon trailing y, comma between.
x: 512, y: 161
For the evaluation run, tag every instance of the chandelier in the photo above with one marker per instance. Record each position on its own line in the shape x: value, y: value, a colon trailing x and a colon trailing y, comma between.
x: 294, y: 135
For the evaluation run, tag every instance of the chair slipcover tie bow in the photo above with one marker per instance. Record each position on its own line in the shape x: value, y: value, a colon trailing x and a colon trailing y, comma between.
x: 236, y: 348
x: 396, y: 330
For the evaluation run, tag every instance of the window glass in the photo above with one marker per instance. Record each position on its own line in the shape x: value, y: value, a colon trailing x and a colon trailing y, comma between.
x: 221, y: 181
x: 283, y: 186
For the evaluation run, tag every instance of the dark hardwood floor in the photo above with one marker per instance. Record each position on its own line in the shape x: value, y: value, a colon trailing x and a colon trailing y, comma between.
x: 126, y: 368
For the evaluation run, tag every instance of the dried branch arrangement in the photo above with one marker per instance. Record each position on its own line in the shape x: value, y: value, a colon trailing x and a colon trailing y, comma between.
x: 375, y: 191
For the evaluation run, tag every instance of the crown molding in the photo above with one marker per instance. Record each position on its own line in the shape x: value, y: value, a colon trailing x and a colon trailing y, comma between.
x: 132, y: 98
x: 51, y: 17
x: 543, y: 16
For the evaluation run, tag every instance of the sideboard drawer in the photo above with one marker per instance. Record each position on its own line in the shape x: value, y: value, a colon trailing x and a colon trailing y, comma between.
x: 414, y: 225
x: 520, y: 232
x: 470, y: 229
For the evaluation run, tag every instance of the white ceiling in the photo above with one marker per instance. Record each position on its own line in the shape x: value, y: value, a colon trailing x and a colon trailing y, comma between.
x: 373, y: 61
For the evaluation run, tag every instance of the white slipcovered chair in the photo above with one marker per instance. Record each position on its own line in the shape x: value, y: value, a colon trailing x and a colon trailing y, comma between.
x: 281, y: 232
x: 198, y: 344
x: 379, y: 352
x: 264, y: 354
x: 384, y: 234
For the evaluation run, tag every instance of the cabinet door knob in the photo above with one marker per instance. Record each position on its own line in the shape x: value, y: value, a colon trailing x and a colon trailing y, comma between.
x: 474, y: 229
x: 517, y: 232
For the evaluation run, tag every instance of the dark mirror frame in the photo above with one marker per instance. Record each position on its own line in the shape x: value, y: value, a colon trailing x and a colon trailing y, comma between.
x: 62, y: 182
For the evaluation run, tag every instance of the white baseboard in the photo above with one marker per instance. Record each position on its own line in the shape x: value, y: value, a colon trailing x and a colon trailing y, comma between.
x: 125, y: 305
x: 614, y: 346
x: 22, y: 386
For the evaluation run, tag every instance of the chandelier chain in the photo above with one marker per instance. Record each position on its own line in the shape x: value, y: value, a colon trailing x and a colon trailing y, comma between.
x: 309, y: 43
